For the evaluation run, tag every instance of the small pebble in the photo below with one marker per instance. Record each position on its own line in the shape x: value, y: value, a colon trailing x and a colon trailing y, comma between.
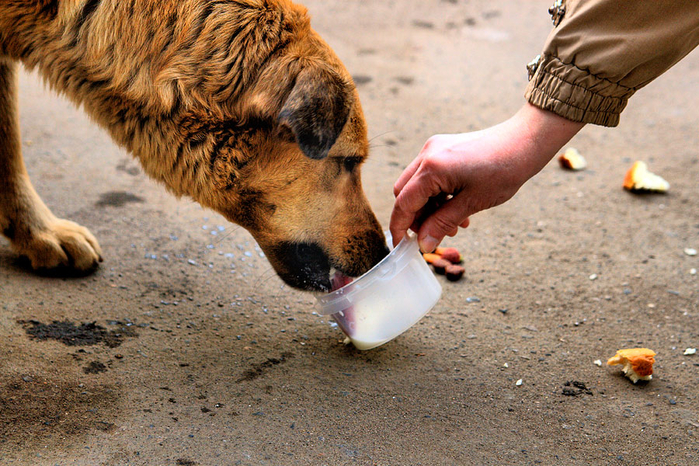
x: 519, y: 382
x: 693, y: 271
x: 593, y: 276
x: 690, y: 351
x: 598, y: 362
x: 690, y: 251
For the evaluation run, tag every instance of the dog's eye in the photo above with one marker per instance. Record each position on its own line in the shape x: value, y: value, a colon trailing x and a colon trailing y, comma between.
x: 350, y: 163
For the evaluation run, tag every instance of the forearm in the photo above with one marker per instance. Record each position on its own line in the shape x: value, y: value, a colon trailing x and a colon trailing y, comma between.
x: 536, y: 136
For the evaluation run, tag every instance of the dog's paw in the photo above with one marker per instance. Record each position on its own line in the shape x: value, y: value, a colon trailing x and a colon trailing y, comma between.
x: 61, y: 244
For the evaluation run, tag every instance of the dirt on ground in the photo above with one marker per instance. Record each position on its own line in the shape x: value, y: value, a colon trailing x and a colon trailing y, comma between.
x: 184, y: 348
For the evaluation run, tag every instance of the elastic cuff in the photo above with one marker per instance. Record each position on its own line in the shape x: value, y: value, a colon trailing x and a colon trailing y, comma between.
x: 576, y: 94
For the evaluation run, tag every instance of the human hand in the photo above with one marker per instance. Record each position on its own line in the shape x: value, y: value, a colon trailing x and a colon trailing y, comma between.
x: 457, y: 175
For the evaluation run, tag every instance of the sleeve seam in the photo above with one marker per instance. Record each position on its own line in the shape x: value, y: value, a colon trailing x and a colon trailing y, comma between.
x: 582, y: 109
x: 553, y: 57
x: 619, y: 100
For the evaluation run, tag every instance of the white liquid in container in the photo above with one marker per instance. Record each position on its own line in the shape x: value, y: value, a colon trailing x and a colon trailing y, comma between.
x: 388, y: 306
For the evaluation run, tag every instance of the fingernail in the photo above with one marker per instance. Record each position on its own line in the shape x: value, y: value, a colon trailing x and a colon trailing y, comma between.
x: 428, y: 244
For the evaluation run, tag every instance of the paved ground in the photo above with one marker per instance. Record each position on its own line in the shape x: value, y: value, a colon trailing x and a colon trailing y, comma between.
x: 198, y: 354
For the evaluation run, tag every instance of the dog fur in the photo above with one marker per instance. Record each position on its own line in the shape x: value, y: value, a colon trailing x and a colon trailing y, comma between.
x: 238, y: 104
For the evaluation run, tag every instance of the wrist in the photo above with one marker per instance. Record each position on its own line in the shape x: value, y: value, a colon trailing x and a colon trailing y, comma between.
x: 541, y: 134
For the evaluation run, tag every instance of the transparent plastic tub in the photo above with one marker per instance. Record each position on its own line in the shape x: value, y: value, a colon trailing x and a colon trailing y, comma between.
x: 387, y: 300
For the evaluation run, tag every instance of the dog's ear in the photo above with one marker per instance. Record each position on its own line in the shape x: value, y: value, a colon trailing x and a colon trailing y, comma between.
x: 316, y: 110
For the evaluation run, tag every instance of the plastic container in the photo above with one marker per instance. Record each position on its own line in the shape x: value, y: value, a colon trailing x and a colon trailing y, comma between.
x: 387, y: 300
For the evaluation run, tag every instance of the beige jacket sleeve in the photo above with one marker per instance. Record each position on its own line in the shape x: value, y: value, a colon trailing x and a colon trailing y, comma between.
x: 602, y: 51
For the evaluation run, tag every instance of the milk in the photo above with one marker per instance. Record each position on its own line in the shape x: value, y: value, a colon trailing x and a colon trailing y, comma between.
x: 379, y: 318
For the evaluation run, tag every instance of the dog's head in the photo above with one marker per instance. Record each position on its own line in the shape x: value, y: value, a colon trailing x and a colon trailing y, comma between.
x: 289, y: 172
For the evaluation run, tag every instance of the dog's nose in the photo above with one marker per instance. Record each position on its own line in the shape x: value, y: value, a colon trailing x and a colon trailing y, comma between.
x: 306, y: 266
x: 309, y: 253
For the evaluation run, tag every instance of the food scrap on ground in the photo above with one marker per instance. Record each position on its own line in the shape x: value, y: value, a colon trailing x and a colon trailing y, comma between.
x: 445, y: 261
x: 638, y: 363
x: 639, y: 180
x: 572, y: 160
x: 454, y: 272
x: 431, y: 257
x: 450, y: 254
x: 440, y: 266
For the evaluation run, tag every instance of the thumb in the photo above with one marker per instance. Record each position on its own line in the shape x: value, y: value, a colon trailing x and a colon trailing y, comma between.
x: 445, y: 221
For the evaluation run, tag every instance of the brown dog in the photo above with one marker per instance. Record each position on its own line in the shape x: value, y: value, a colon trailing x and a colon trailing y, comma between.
x: 236, y: 103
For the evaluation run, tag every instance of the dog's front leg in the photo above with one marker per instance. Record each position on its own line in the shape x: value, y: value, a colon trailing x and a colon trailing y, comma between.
x: 32, y: 229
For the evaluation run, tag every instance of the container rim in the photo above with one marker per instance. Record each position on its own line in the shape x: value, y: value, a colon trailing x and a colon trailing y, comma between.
x: 363, y: 281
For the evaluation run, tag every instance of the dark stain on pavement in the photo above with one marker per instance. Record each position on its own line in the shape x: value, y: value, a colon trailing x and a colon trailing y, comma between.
x: 37, y: 412
x: 360, y: 80
x: 405, y: 80
x: 185, y: 462
x: 118, y: 199
x: 575, y: 388
x: 84, y: 334
x: 259, y: 369
x: 128, y: 167
x: 95, y: 367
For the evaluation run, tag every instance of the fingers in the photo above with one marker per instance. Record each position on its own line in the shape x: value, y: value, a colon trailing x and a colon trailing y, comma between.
x: 409, y: 205
x: 400, y: 219
x: 407, y: 174
x: 417, y: 192
x: 400, y: 222
x: 445, y: 221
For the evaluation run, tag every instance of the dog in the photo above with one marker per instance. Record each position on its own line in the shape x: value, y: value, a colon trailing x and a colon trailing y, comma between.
x: 238, y: 104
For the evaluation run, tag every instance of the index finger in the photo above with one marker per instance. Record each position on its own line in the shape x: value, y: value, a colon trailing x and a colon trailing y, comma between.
x: 412, y: 198
x: 407, y: 175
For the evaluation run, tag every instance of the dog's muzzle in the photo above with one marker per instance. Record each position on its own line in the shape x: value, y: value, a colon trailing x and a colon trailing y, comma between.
x: 305, y: 266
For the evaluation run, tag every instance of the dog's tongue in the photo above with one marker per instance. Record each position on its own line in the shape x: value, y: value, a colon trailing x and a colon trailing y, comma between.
x: 339, y: 280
